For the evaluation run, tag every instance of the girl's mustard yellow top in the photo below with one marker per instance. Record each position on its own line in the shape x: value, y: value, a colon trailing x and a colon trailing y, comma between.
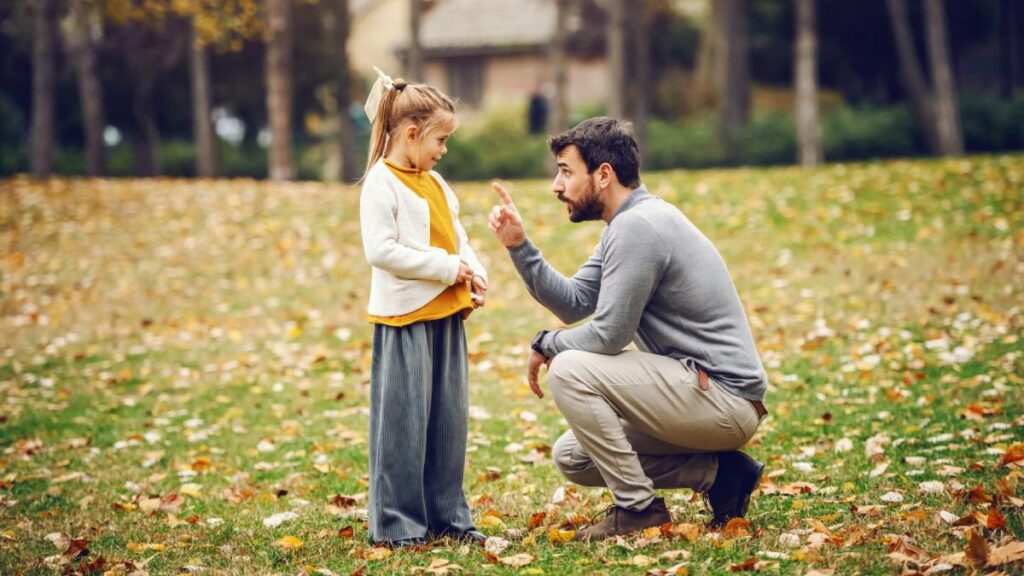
x: 455, y: 298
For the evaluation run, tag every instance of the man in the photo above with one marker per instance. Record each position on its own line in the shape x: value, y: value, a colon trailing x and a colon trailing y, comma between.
x: 673, y: 413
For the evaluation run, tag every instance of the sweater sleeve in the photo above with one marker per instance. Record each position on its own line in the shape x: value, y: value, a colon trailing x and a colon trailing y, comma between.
x: 635, y: 258
x: 379, y: 227
x: 571, y: 299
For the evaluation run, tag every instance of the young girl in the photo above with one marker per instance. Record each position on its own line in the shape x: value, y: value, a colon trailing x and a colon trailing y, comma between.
x: 425, y: 280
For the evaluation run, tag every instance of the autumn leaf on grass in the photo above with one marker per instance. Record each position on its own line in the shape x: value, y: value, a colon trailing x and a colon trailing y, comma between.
x: 517, y: 560
x: 289, y: 543
x: 640, y: 560
x: 439, y: 566
x: 495, y: 546
x: 737, y: 528
x: 556, y: 536
x: 1012, y: 456
x: 342, y: 501
x: 276, y: 520
x: 373, y: 554
x: 746, y: 565
x: 536, y: 519
x: 1011, y: 552
x: 346, y: 532
x: 202, y: 464
x: 687, y: 531
x: 976, y: 552
x: 77, y: 548
x: 490, y: 521
x: 902, y: 549
x: 977, y: 495
x: 677, y: 570
x: 191, y: 490
x: 137, y: 547
x: 867, y: 510
x: 59, y: 541
x: 995, y: 520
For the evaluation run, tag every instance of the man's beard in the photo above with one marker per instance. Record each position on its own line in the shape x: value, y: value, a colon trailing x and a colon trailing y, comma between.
x: 591, y: 207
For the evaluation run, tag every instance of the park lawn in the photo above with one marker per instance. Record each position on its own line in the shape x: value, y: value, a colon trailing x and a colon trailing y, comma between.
x: 185, y: 362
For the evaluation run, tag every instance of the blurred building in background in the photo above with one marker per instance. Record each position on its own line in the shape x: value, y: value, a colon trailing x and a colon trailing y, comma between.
x: 486, y: 53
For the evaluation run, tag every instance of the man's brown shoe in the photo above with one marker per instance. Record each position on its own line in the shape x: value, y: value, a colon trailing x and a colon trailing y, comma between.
x: 620, y: 521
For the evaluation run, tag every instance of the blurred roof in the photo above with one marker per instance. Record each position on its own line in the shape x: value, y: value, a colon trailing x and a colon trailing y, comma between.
x: 487, y: 23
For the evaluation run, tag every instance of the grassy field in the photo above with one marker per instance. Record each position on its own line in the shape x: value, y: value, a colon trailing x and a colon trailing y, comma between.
x: 185, y: 376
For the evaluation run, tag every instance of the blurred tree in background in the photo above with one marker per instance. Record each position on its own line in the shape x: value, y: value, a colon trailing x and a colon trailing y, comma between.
x: 204, y: 88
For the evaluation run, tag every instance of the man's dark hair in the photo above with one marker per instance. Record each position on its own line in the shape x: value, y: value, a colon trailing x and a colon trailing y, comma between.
x: 601, y: 140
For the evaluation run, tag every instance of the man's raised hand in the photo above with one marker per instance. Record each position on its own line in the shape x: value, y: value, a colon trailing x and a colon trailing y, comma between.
x: 505, y: 221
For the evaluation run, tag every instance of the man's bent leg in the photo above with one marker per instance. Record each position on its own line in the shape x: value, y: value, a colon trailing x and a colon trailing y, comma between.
x: 659, y: 397
x: 666, y: 465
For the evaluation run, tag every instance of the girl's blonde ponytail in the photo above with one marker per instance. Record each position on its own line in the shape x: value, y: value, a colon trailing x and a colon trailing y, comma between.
x: 416, y: 102
x: 382, y: 125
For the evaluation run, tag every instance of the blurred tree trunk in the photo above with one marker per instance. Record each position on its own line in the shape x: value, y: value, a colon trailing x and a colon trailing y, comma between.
x: 616, y: 40
x: 206, y: 144
x: 705, y: 76
x: 947, y: 117
x: 146, y: 136
x: 146, y: 52
x: 638, y: 87
x: 808, y: 125
x: 414, y: 62
x: 1007, y: 48
x: 82, y: 28
x: 911, y: 75
x: 348, y: 171
x: 734, y: 103
x: 559, y: 69
x: 279, y: 89
x: 43, y: 95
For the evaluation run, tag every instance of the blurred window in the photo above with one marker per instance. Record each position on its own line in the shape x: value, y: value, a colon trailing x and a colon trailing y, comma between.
x: 466, y: 80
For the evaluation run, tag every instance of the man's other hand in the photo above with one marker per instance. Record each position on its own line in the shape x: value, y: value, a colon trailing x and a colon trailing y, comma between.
x: 533, y: 368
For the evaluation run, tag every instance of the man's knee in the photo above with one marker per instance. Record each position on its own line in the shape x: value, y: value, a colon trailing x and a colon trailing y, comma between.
x: 565, y: 367
x: 573, y: 463
x: 562, y: 451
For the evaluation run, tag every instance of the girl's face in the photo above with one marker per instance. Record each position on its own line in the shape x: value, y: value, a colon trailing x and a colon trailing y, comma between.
x: 425, y: 150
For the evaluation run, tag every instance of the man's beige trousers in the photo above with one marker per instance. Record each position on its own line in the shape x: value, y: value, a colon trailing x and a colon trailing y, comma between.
x: 641, y: 421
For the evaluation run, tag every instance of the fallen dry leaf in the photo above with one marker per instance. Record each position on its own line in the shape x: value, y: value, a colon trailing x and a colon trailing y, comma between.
x: 744, y: 566
x: 517, y: 560
x: 289, y: 543
x: 976, y: 552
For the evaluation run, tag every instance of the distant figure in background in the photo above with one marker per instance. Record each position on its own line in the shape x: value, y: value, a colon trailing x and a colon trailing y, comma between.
x: 537, y: 113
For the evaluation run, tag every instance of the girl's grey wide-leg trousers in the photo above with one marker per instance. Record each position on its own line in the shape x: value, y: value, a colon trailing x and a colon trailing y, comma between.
x: 419, y: 405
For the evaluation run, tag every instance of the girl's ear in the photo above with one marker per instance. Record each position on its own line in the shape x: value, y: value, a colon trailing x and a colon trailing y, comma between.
x: 411, y: 133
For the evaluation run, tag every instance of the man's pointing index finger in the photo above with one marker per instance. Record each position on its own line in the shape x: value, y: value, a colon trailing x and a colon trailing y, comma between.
x: 506, y: 199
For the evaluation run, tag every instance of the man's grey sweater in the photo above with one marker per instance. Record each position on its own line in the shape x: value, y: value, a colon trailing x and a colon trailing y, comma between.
x: 655, y: 279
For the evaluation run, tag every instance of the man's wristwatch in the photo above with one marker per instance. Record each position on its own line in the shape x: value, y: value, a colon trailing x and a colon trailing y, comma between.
x: 536, y: 344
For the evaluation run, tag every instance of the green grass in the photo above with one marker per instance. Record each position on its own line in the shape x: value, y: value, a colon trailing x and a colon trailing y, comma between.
x: 208, y: 340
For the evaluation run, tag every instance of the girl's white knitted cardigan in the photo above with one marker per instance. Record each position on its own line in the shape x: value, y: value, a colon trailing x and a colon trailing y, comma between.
x: 406, y: 271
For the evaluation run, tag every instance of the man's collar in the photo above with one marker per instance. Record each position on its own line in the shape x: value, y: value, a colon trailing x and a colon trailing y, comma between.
x: 639, y: 193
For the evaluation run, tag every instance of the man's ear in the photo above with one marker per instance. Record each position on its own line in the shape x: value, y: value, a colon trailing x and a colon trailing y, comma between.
x: 605, y: 175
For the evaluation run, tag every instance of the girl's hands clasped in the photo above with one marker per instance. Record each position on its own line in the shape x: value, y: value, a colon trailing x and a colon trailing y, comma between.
x: 465, y: 273
x: 478, y: 291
